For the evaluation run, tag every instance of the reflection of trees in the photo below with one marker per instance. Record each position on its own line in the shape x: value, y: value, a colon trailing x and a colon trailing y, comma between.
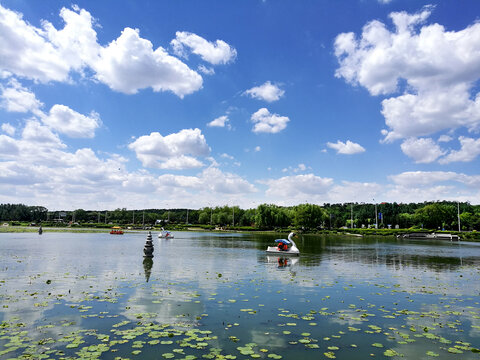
x: 437, y: 256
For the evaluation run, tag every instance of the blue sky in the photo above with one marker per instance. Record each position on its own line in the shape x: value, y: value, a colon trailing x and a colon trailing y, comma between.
x: 113, y: 104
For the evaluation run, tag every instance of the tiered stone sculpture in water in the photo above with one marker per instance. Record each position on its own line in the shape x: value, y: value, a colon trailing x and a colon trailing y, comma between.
x: 148, y: 249
x: 148, y: 257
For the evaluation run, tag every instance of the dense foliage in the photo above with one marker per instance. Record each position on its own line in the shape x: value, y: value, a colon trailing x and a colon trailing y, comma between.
x: 431, y: 215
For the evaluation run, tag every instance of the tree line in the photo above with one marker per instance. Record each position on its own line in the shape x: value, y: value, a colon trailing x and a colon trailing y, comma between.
x: 428, y: 215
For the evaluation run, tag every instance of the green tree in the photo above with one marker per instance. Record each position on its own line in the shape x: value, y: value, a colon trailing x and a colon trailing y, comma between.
x: 309, y: 216
x: 436, y: 216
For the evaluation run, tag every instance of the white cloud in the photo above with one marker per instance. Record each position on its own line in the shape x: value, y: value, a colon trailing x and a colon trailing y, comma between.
x: 423, y: 150
x: 416, y: 186
x: 299, y: 168
x: 40, y: 135
x: 204, y: 70
x: 346, y: 148
x: 77, y: 41
x: 8, y: 129
x: 8, y: 146
x: 218, y: 52
x: 298, y: 187
x: 129, y: 64
x: 27, y: 52
x: 267, y: 122
x: 268, y: 92
x: 439, y: 68
x: 210, y: 180
x: 226, y: 156
x: 257, y: 149
x: 67, y: 121
x: 174, y: 151
x: 221, y: 121
x: 16, y: 98
x: 470, y: 149
x: 422, y: 178
x: 445, y: 138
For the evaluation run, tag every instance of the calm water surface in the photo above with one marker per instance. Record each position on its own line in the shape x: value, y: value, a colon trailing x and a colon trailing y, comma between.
x: 219, y: 296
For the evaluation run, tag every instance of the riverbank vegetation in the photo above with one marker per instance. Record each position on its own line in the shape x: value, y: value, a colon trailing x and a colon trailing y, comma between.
x: 359, y: 218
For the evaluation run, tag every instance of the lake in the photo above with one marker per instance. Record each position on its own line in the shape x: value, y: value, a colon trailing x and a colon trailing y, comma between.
x: 219, y: 296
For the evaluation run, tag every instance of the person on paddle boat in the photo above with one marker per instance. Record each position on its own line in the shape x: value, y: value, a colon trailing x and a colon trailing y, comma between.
x: 282, y: 246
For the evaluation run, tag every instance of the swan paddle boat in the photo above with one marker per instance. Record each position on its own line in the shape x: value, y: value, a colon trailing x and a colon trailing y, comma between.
x: 285, y: 247
x: 165, y: 234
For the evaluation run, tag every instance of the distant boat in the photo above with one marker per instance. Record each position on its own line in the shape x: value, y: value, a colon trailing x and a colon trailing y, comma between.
x: 116, y: 230
x: 429, y: 236
x: 165, y: 234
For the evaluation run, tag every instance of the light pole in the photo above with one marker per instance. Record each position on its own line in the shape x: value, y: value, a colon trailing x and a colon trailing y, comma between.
x: 351, y: 215
x: 376, y: 216
x: 458, y: 214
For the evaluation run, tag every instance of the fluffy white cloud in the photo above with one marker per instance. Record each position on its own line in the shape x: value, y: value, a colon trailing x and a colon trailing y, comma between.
x: 218, y: 52
x: 8, y: 146
x: 204, y: 70
x: 445, y: 138
x: 129, y: 64
x: 27, y: 52
x: 422, y: 178
x: 174, y: 151
x: 34, y: 132
x: 16, y: 98
x: 423, y: 150
x: 439, y: 68
x: 37, y: 166
x: 268, y: 92
x: 265, y: 122
x: 257, y: 149
x: 8, y: 129
x: 299, y: 168
x: 214, y: 180
x: 76, y: 43
x: 470, y: 149
x: 346, y: 148
x: 299, y: 187
x: 66, y: 121
x: 221, y: 121
x: 415, y: 186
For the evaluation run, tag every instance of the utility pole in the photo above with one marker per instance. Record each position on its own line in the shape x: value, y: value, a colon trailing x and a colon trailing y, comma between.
x: 458, y: 213
x: 351, y: 215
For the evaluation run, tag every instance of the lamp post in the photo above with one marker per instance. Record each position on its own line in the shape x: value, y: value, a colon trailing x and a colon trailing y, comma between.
x: 351, y: 215
x: 458, y: 214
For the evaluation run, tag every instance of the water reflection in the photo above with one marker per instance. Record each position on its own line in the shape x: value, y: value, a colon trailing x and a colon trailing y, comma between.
x: 283, y: 261
x: 147, y: 267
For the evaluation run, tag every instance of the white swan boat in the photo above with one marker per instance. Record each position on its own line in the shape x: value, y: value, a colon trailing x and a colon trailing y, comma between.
x: 165, y: 234
x: 291, y: 250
